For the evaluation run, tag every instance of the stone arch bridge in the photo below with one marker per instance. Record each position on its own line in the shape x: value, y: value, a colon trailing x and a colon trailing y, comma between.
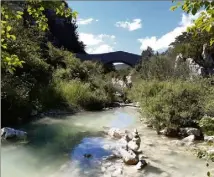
x: 112, y: 57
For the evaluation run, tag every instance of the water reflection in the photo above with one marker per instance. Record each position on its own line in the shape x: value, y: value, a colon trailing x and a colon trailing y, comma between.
x: 91, y: 146
x: 122, y: 120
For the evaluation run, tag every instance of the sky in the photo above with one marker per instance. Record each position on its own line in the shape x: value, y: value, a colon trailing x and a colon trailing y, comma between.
x: 130, y: 26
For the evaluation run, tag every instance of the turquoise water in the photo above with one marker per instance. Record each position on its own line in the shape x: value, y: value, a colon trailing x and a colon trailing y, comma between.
x: 53, y: 142
x: 56, y: 148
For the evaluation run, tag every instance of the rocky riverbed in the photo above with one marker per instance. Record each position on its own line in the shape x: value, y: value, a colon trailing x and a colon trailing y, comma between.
x: 78, y: 145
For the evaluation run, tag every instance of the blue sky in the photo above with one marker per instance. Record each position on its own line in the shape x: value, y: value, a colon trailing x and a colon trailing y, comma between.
x: 131, y: 26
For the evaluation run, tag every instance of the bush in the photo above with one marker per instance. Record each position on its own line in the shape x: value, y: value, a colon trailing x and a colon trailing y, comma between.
x: 161, y: 68
x: 207, y: 125
x: 169, y: 103
x: 209, y: 98
x: 79, y: 94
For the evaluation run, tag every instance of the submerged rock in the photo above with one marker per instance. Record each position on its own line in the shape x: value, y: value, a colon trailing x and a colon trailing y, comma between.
x: 7, y: 132
x: 87, y: 155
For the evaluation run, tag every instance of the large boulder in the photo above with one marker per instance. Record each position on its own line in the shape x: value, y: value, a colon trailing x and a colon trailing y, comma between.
x: 115, y: 133
x: 129, y: 157
x: 7, y: 132
x: 187, y: 131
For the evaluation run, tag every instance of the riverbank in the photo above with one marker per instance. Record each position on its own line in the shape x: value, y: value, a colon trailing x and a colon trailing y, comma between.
x: 55, y: 142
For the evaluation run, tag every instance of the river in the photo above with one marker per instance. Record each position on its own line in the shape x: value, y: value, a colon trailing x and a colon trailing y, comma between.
x: 56, y: 146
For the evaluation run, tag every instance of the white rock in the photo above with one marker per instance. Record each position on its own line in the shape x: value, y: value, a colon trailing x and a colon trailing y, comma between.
x: 193, y: 131
x: 137, y: 104
x: 140, y: 164
x: 129, y: 157
x: 103, y: 169
x: 115, y: 133
x: 123, y: 143
x: 209, y: 139
x: 210, y: 152
x: 7, y: 132
x: 163, y: 132
x: 133, y: 145
x: 190, y: 138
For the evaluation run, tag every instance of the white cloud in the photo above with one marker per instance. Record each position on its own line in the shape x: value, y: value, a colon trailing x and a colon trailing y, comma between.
x: 90, y: 39
x: 87, y: 21
x: 162, y: 43
x: 131, y: 26
x: 104, y: 48
x: 95, y: 44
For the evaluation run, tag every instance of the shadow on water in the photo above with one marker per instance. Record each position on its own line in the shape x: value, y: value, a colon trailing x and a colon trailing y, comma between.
x: 52, y: 141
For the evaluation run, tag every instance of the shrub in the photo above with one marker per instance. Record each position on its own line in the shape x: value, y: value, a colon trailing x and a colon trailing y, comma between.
x: 161, y: 68
x: 79, y: 94
x: 207, y: 125
x: 209, y: 98
x: 169, y: 103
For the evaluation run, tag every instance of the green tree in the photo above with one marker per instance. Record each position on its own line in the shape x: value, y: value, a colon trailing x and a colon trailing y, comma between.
x: 147, y: 53
x: 192, y: 48
x: 35, y: 8
x: 205, y: 21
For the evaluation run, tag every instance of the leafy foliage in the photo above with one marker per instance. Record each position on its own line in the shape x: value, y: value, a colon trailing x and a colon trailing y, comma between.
x: 50, y: 77
x: 205, y: 21
x: 36, y: 10
x: 161, y: 67
x: 190, y: 48
x: 207, y: 124
x: 169, y: 103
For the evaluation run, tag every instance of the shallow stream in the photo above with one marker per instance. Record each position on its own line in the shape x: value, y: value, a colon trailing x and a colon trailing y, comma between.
x: 56, y: 148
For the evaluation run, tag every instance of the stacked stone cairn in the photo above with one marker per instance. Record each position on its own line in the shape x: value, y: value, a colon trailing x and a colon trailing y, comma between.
x: 129, y: 148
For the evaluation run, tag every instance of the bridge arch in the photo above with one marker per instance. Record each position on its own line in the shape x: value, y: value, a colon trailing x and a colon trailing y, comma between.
x: 112, y: 57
